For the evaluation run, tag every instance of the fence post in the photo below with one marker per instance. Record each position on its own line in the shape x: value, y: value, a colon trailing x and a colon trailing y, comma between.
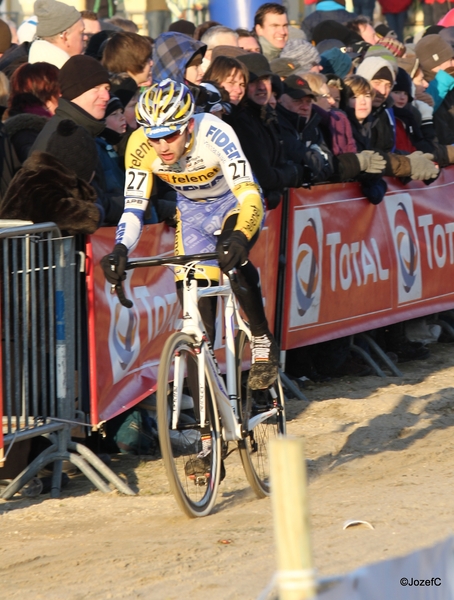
x: 289, y: 497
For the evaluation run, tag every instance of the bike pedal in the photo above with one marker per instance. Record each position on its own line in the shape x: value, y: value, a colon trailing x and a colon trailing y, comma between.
x: 200, y: 480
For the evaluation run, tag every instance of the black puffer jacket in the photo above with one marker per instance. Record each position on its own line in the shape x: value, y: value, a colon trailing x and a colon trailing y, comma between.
x: 112, y: 203
x: 304, y: 143
x: 257, y: 129
x: 23, y: 130
x: 383, y: 136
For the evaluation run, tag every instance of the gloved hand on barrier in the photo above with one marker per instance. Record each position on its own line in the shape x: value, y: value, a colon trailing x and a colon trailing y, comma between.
x: 425, y: 111
x: 233, y: 252
x: 371, y: 162
x: 292, y: 175
x: 422, y: 166
x: 114, y: 264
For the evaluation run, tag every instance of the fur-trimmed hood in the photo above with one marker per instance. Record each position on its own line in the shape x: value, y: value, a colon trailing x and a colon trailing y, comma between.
x: 45, y: 190
x: 24, y: 121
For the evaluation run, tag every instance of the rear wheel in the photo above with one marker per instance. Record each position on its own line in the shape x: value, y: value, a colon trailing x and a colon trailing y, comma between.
x: 258, y: 428
x: 191, y: 450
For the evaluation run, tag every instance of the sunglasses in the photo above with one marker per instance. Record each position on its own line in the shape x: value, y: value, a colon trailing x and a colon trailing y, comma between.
x: 172, y: 137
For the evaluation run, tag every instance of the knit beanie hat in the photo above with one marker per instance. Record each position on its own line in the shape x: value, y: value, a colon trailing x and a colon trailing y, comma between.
x: 183, y: 26
x: 394, y: 46
x: 124, y: 90
x: 283, y: 67
x: 376, y: 67
x: 432, y: 30
x: 302, y: 52
x: 328, y: 30
x: 26, y: 32
x: 54, y: 17
x: 79, y: 74
x: 382, y: 52
x: 75, y: 148
x: 232, y: 51
x: 432, y: 51
x: 384, y: 31
x: 410, y: 64
x: 403, y: 84
x: 113, y: 105
x: 447, y: 33
x: 5, y: 36
x: 335, y: 61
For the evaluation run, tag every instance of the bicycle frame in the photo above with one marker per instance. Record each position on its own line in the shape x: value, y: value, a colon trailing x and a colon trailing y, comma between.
x: 226, y: 397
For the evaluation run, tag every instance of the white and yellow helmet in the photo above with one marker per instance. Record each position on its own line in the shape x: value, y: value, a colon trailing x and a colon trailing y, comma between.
x: 164, y: 108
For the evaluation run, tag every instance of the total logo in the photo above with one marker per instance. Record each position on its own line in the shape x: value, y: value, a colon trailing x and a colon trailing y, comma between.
x: 308, y: 236
x: 124, y: 339
x: 401, y: 218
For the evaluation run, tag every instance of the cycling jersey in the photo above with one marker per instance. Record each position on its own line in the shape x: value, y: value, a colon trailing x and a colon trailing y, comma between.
x: 212, y: 169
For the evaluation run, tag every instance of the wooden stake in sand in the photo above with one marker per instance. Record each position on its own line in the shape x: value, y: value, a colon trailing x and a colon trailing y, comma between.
x: 289, y: 497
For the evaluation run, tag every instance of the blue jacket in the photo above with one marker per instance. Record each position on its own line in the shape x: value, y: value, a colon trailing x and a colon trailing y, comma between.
x: 110, y: 163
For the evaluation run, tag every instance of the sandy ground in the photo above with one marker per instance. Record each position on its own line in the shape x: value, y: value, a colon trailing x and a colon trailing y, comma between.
x: 380, y: 450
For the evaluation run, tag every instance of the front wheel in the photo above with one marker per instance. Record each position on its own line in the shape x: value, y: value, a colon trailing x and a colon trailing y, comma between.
x: 258, y: 431
x: 191, y: 449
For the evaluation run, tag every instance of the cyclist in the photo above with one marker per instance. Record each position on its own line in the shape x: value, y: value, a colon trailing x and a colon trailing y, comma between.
x: 219, y: 206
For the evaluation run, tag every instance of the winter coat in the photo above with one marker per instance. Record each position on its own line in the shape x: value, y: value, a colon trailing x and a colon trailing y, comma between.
x: 336, y: 130
x: 9, y: 163
x: 171, y: 53
x: 257, y: 129
x: 45, y: 190
x: 408, y: 119
x: 23, y: 130
x: 304, y: 142
x: 14, y: 57
x: 396, y: 165
x: 441, y: 88
x: 44, y: 51
x: 112, y: 203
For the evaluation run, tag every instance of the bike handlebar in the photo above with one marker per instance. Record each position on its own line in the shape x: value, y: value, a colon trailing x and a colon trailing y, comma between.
x: 183, y: 259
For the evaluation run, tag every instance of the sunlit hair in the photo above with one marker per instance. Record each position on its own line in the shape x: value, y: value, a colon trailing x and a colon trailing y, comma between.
x: 126, y: 52
x: 315, y: 81
x: 355, y: 85
x: 334, y: 81
x: 268, y: 7
x: 223, y: 67
x: 39, y: 79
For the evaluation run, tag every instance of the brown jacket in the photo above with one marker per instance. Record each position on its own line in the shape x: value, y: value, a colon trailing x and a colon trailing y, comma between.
x: 45, y: 190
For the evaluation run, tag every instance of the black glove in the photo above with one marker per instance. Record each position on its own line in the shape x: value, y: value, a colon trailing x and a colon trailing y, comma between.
x: 237, y: 251
x: 114, y: 264
x: 293, y: 175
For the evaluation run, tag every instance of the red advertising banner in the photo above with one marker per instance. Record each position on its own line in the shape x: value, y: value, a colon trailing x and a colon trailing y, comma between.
x: 125, y: 344
x: 353, y: 266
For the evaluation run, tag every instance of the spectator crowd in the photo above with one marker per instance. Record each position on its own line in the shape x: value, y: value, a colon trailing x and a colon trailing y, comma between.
x: 335, y: 100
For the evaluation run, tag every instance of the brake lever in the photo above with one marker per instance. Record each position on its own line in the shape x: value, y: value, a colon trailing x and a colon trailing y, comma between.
x: 117, y: 288
x: 232, y: 274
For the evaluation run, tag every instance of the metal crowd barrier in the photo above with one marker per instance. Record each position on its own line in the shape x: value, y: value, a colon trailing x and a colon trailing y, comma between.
x: 40, y: 305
